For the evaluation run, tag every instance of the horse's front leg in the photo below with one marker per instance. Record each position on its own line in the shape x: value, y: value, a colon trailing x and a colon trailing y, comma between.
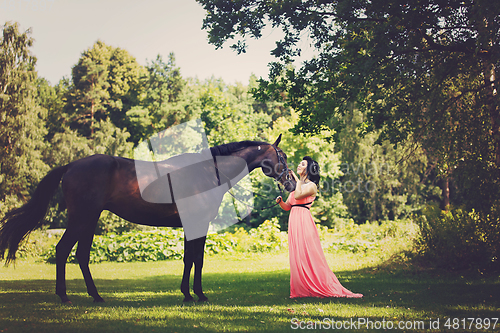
x: 198, y: 267
x: 188, y: 264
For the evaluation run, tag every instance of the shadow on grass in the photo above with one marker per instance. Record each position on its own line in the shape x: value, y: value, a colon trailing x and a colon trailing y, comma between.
x: 240, y: 302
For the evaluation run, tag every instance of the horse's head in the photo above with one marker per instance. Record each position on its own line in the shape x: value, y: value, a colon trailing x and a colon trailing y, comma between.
x: 275, y: 166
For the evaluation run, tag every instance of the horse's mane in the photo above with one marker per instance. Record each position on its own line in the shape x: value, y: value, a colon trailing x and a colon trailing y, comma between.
x: 229, y: 148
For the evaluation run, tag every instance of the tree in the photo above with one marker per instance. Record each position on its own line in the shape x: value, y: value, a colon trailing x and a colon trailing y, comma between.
x: 421, y: 70
x: 106, y: 82
x: 90, y: 95
x: 162, y: 105
x: 378, y: 182
x: 125, y: 79
x: 22, y: 127
x: 228, y: 114
x: 53, y: 99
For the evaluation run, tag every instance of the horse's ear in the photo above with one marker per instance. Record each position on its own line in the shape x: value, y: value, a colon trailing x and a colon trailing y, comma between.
x: 278, y: 140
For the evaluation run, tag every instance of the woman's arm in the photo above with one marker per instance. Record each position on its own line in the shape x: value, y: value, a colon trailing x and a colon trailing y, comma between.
x: 303, y: 190
x: 283, y: 205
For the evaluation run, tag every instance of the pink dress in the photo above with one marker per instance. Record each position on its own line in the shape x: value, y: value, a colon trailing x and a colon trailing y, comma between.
x: 310, y: 275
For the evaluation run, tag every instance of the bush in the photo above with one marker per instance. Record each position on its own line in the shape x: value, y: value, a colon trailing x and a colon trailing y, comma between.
x: 268, y: 237
x: 37, y: 243
x: 165, y: 243
x: 168, y: 243
x: 364, y: 239
x: 160, y: 244
x: 457, y: 239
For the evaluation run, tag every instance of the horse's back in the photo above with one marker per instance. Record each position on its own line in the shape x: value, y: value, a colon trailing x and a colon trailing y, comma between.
x: 87, y: 181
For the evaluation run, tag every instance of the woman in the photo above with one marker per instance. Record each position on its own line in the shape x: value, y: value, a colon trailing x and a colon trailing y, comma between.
x: 310, y: 275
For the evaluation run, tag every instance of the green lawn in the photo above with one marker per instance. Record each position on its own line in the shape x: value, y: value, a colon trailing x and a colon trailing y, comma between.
x: 247, y: 293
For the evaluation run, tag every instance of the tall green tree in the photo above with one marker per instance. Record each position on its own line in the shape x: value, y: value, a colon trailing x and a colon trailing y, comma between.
x: 228, y: 114
x: 106, y: 82
x: 422, y: 70
x: 90, y: 95
x: 126, y: 85
x: 162, y: 102
x: 22, y: 127
x: 53, y: 99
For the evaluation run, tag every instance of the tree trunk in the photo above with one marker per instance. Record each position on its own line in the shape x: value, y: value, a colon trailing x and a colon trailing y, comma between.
x: 489, y: 74
x: 446, y: 193
x: 92, y: 119
x: 493, y: 109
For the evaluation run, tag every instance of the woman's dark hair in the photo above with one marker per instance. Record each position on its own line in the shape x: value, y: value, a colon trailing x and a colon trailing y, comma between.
x: 312, y: 170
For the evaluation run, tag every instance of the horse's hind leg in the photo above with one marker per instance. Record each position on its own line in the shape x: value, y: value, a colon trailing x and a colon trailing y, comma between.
x: 63, y: 250
x: 80, y: 229
x: 83, y: 256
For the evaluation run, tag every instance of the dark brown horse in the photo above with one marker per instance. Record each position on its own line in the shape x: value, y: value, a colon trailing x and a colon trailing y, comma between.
x: 100, y: 182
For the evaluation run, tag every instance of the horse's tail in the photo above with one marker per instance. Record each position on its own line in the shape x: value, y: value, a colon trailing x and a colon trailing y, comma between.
x: 19, y: 223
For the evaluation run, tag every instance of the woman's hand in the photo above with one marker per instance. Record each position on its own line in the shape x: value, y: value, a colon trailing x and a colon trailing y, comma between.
x: 294, y: 176
x: 284, y: 205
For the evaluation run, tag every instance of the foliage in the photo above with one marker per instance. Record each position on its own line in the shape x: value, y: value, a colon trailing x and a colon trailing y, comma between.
x: 459, y: 239
x: 38, y: 242
x: 155, y: 245
x: 110, y: 140
x: 328, y: 205
x: 371, y: 238
x: 421, y: 71
x: 161, y: 94
x: 89, y: 94
x: 105, y: 82
x: 53, y: 99
x: 267, y: 237
x: 380, y: 239
x: 21, y: 119
x: 379, y: 182
x: 168, y: 243
x: 228, y: 114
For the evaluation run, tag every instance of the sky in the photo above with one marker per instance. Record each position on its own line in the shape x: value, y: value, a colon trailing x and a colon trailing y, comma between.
x: 63, y: 29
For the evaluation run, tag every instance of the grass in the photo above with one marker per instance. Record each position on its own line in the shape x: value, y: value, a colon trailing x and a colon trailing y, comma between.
x: 247, y: 292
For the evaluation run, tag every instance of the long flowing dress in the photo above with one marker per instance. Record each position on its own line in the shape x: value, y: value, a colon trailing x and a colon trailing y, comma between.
x: 310, y: 275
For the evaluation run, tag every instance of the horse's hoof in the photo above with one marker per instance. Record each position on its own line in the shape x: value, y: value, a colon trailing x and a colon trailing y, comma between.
x: 188, y: 299
x: 98, y: 299
x: 203, y: 299
x: 65, y: 300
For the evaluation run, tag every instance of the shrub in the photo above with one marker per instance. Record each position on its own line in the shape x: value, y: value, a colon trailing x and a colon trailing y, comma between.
x: 168, y: 243
x: 38, y: 241
x: 457, y: 239
x: 268, y: 237
x: 160, y: 244
x: 384, y: 237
